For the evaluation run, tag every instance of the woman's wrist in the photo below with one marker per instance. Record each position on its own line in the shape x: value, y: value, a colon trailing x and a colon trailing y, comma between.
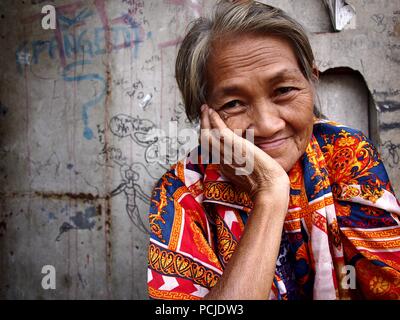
x: 277, y: 190
x: 267, y: 197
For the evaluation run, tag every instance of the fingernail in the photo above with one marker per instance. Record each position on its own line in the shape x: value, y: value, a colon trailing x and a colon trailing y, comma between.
x: 210, y: 111
x: 203, y: 107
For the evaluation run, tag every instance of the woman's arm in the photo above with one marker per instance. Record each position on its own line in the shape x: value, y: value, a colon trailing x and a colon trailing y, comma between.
x: 250, y: 271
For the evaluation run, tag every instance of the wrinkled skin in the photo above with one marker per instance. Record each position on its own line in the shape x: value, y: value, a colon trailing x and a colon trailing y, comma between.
x: 255, y: 82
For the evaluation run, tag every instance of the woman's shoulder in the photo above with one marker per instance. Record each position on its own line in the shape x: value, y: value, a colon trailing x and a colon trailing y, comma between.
x: 185, y: 172
x: 334, y: 135
x: 327, y: 127
x: 168, y: 181
x: 349, y: 154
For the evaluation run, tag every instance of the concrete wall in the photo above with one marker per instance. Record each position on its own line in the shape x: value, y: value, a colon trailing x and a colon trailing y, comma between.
x: 78, y: 109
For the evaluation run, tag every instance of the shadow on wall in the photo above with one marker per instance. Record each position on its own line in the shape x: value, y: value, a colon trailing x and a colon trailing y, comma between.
x: 343, y: 96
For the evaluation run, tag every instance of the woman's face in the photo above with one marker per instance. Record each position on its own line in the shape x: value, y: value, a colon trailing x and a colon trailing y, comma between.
x: 255, y: 82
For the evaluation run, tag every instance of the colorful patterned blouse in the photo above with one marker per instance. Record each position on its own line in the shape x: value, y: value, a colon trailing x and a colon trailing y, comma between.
x: 342, y: 220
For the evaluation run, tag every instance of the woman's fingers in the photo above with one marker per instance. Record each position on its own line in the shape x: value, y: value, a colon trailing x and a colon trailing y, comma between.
x: 228, y: 147
x: 204, y: 126
x: 220, y: 131
x: 209, y: 128
x: 204, y: 118
x: 215, y: 120
x: 240, y: 160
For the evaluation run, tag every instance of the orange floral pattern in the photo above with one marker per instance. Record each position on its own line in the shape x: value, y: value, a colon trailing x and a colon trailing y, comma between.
x: 342, y: 212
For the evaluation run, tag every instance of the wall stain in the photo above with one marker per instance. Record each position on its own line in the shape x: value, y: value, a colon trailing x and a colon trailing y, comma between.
x: 65, y: 227
x: 3, y: 110
x: 390, y: 126
x: 388, y: 105
x: 3, y: 227
x: 69, y: 196
x: 80, y: 221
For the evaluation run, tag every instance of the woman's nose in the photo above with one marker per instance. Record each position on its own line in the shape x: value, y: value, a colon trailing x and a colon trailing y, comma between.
x: 266, y: 120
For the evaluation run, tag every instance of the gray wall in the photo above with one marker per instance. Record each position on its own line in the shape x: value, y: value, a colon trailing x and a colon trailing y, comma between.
x: 79, y: 107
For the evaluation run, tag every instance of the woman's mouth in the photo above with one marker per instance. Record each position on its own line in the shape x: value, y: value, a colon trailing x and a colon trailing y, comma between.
x: 272, y: 145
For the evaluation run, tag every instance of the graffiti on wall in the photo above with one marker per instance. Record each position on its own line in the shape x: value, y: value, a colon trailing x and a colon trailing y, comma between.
x: 76, y: 43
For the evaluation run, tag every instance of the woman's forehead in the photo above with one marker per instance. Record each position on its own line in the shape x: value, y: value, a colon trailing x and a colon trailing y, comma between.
x: 250, y: 49
x: 229, y: 42
x: 250, y: 56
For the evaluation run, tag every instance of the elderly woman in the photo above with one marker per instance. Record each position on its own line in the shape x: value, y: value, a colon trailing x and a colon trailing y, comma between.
x: 316, y: 218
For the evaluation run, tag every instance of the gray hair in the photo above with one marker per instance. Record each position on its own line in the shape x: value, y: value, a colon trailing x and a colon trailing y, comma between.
x: 233, y: 18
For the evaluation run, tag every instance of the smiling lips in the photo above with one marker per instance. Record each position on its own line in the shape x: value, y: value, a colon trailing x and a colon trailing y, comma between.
x: 272, y: 145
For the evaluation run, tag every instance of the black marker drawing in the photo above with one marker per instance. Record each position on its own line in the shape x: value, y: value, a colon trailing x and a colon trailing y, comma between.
x: 160, y: 149
x: 123, y: 125
x: 391, y: 153
x: 132, y: 191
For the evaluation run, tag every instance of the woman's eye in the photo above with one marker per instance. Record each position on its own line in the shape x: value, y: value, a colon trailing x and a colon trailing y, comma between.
x: 232, y: 104
x: 285, y: 90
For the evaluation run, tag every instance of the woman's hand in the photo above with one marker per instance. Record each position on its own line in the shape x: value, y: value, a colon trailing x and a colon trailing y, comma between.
x: 266, y: 178
x: 250, y: 271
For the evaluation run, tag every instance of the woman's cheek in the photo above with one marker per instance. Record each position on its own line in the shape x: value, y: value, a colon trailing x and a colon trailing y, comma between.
x: 302, y: 108
x: 304, y: 101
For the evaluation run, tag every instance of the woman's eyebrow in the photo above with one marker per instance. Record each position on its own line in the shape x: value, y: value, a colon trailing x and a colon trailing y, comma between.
x: 286, y: 74
x: 228, y: 90
x: 233, y: 89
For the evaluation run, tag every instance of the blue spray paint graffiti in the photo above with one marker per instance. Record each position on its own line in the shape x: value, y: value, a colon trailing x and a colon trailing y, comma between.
x: 22, y: 56
x: 87, y: 132
x: 75, y: 41
x: 90, y: 43
x: 67, y: 22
